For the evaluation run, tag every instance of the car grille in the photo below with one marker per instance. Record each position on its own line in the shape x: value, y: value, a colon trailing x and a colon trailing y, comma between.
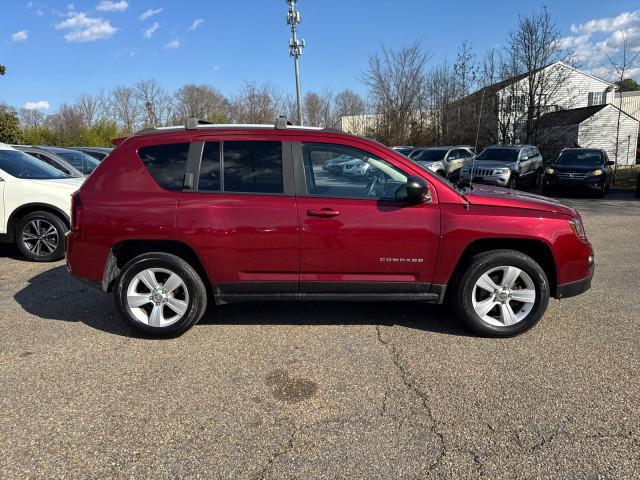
x: 574, y: 176
x: 482, y: 172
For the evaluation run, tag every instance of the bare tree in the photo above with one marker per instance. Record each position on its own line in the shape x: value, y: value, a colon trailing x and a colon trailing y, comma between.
x: 534, y: 44
x: 31, y: 118
x: 348, y: 103
x: 125, y: 108
x: 203, y: 102
x: 395, y: 79
x: 318, y: 109
x: 89, y: 107
x: 440, y: 93
x: 154, y: 102
x: 619, y: 66
x: 259, y: 104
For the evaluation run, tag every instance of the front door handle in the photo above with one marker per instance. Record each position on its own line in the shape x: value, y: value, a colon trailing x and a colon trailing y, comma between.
x: 324, y: 213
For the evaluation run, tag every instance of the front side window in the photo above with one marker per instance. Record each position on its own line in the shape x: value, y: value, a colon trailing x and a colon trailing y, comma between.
x: 253, y: 167
x: 360, y: 174
x: 22, y: 165
x: 166, y: 164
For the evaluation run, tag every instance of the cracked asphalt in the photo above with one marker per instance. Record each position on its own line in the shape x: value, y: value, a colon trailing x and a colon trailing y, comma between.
x: 324, y: 390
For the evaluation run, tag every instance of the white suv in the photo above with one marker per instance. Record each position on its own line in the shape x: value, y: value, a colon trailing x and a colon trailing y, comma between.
x: 35, y: 204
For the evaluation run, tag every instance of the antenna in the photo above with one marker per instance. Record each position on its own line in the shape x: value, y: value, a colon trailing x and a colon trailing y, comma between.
x: 475, y: 147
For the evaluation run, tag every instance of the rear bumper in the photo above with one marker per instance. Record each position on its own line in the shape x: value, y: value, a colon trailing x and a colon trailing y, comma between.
x: 573, y: 289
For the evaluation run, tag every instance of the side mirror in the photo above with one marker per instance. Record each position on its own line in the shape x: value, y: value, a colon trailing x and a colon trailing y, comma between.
x: 610, y: 162
x: 417, y: 190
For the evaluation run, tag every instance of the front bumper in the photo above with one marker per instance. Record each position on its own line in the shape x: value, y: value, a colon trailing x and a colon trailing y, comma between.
x: 572, y: 289
x: 589, y: 183
x: 497, y: 180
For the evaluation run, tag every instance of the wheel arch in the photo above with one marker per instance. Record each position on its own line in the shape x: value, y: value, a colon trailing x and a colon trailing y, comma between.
x: 27, y: 208
x: 123, y: 252
x: 536, y: 249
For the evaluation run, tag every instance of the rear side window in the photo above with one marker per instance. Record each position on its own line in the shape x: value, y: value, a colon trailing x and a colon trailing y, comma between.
x: 209, y: 180
x: 166, y: 163
x: 253, y: 167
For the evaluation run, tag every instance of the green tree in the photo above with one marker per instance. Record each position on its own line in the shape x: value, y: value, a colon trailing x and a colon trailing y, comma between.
x: 10, y: 131
x: 628, y: 85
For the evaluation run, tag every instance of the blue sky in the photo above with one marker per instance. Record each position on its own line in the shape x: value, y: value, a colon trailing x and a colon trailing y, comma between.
x: 56, y: 50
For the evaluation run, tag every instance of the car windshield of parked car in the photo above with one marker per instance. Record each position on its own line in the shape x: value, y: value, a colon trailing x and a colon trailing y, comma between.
x: 586, y: 158
x: 83, y: 162
x: 21, y: 165
x: 430, y: 155
x: 499, y: 155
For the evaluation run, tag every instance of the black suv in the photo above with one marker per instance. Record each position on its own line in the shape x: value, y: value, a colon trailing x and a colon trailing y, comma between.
x: 579, y: 168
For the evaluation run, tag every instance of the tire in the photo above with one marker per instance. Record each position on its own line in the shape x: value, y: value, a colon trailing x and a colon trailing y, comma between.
x: 547, y: 192
x: 170, y: 313
x: 513, y: 182
x: 40, y: 236
x: 495, y: 265
x: 537, y: 182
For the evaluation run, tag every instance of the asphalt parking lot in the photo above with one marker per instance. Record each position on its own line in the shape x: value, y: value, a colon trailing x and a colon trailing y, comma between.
x: 324, y: 390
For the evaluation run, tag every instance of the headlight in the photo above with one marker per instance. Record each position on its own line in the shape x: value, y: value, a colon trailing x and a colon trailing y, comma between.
x: 577, y: 227
x: 501, y: 171
x: 597, y: 173
x: 550, y: 171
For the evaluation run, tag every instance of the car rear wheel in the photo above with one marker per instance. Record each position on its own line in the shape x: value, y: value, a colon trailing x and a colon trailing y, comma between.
x: 160, y: 294
x: 502, y: 293
x: 40, y: 236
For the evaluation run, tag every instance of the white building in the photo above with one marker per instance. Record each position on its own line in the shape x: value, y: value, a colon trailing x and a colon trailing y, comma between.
x: 594, y: 126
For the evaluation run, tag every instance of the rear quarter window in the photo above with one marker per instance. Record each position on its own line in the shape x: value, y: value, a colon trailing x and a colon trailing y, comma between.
x: 166, y: 164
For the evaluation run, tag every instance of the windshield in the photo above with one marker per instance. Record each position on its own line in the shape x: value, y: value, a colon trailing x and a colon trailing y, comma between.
x: 83, y: 162
x: 430, y: 155
x: 499, y: 154
x: 586, y: 158
x: 21, y: 165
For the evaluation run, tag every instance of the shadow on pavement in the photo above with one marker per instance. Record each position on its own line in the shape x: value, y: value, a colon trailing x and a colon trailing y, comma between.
x: 56, y: 295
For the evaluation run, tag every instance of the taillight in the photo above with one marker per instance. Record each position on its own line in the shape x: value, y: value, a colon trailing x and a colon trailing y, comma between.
x: 76, y: 212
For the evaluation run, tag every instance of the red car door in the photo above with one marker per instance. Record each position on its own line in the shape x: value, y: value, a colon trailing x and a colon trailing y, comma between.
x: 241, y: 217
x: 357, y: 234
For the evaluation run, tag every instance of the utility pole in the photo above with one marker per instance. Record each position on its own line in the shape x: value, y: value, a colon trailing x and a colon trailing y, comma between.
x: 295, y: 50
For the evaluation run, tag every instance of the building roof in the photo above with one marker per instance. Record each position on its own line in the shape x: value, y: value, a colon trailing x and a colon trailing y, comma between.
x: 573, y: 116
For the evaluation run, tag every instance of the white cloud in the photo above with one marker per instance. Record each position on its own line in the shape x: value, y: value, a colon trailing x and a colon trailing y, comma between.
x: 111, y: 6
x: 21, y: 36
x: 151, y: 30
x: 196, y: 23
x: 83, y: 28
x: 172, y: 45
x: 40, y: 105
x: 594, y: 41
x: 150, y: 13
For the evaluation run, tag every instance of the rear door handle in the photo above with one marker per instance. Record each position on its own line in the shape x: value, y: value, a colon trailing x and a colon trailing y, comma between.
x: 324, y: 213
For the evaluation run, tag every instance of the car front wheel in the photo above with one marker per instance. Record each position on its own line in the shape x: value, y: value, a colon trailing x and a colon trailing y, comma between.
x: 502, y: 293
x: 160, y: 294
x: 40, y: 236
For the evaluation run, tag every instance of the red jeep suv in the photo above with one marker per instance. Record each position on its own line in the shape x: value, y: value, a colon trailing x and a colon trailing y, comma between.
x: 176, y: 216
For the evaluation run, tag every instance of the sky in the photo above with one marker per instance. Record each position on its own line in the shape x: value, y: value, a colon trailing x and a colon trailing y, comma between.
x: 55, y: 50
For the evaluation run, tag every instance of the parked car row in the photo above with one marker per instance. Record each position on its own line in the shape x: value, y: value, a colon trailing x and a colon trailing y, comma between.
x: 36, y: 184
x: 513, y: 166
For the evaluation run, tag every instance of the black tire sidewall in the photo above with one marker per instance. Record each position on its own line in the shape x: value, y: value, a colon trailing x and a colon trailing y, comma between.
x: 195, y: 286
x: 482, y: 264
x: 58, y: 224
x: 513, y: 181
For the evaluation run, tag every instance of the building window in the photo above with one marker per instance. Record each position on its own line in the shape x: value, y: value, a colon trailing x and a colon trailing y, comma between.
x: 596, y: 98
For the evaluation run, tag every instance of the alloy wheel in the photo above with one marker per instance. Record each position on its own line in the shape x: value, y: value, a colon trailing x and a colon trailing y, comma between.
x: 503, y: 296
x: 40, y: 237
x: 157, y: 297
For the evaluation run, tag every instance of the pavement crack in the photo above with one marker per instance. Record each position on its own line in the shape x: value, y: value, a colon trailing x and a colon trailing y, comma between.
x: 423, y: 396
x: 274, y: 456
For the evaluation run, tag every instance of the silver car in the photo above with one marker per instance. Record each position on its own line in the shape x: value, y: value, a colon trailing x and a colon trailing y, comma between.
x: 444, y: 161
x: 505, y: 166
